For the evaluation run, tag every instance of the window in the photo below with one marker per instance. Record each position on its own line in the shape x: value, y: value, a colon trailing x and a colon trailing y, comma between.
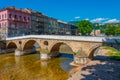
x: 10, y: 16
x: 24, y: 18
x: 15, y: 25
x: 15, y: 16
x: 2, y: 16
x: 0, y: 25
x: 5, y: 16
x: 10, y: 24
x: 5, y: 23
x: 28, y: 18
x: 20, y: 17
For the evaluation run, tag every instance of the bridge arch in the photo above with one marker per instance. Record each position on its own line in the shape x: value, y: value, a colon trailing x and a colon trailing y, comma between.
x: 28, y: 45
x: 56, y: 47
x: 96, y: 48
x: 11, y: 45
x: 92, y: 51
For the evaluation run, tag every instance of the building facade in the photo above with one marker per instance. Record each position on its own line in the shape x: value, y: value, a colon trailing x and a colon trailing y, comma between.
x: 18, y: 22
x: 53, y: 26
x: 14, y: 22
x: 37, y: 22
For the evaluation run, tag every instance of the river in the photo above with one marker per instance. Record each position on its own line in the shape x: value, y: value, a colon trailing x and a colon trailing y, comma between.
x: 30, y: 67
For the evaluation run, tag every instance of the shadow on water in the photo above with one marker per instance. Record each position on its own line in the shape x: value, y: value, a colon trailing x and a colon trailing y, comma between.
x: 66, y: 55
x: 108, y: 70
x: 65, y: 65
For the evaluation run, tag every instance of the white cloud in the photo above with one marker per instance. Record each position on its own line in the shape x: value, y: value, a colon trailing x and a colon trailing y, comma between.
x: 77, y: 17
x: 112, y: 21
x: 86, y: 19
x: 98, y: 20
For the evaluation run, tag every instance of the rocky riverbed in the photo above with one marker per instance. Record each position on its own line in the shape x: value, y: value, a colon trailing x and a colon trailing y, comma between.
x: 98, y: 69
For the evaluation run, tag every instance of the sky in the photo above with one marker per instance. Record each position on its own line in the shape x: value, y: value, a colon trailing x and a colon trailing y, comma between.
x: 107, y: 11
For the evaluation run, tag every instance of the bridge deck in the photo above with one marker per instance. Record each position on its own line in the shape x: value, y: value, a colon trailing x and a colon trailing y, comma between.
x: 76, y: 38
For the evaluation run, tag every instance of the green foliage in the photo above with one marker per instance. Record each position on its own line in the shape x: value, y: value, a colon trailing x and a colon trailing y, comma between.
x: 102, y: 28
x: 117, y: 30
x: 74, y: 53
x: 108, y: 28
x: 112, y: 50
x: 85, y: 27
x: 113, y: 53
x: 112, y: 30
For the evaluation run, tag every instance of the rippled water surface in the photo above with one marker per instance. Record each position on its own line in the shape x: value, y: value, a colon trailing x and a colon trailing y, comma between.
x: 29, y: 67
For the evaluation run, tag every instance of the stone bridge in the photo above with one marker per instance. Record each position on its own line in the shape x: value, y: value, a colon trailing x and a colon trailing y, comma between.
x: 88, y: 44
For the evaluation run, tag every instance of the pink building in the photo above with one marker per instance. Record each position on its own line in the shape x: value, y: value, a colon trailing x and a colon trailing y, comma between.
x: 14, y: 22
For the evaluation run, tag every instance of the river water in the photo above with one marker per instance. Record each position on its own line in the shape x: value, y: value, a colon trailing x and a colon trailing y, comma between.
x: 29, y: 67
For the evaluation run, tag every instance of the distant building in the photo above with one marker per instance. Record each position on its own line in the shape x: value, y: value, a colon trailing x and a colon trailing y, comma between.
x: 42, y: 24
x: 66, y: 28
x: 96, y: 33
x: 53, y: 26
x: 63, y: 28
x: 37, y: 22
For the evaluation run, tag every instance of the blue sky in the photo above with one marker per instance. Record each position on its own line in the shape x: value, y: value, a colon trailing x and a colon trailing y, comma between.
x: 70, y: 10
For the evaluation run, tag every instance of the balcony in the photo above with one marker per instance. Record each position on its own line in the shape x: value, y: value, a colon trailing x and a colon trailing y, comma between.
x: 19, y: 20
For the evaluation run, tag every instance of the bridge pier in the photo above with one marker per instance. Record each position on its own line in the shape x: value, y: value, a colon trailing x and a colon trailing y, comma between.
x: 18, y: 52
x: 81, y: 60
x: 44, y: 56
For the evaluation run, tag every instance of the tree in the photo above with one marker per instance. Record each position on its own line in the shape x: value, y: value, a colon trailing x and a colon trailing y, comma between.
x: 117, y: 30
x: 85, y: 27
x: 110, y: 30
